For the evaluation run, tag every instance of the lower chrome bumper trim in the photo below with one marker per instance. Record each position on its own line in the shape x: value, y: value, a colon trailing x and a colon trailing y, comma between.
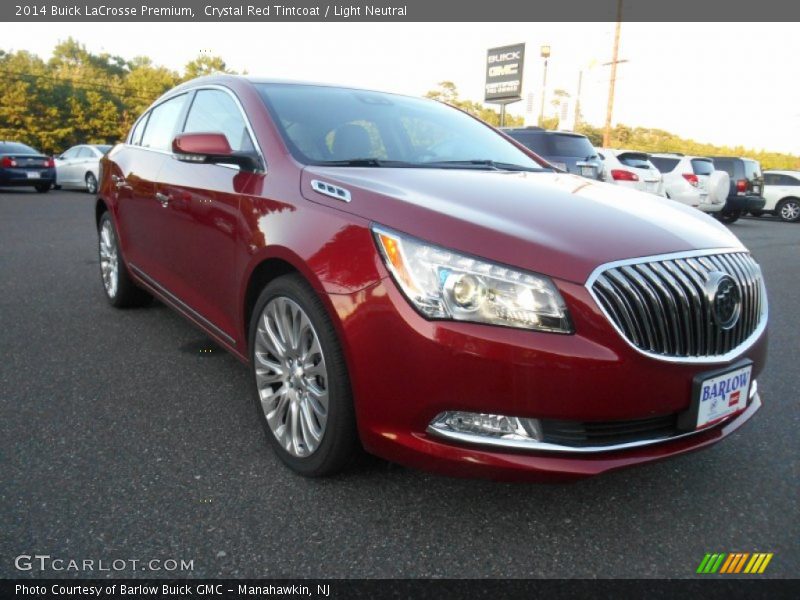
x: 443, y: 432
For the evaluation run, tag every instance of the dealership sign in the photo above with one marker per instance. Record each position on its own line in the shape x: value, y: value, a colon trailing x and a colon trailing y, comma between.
x: 504, y: 74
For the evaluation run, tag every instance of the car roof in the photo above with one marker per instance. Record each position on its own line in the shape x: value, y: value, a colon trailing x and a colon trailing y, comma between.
x: 679, y: 155
x: 225, y: 78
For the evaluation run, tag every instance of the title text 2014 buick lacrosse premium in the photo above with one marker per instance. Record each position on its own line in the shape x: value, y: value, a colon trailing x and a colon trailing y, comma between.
x: 401, y: 277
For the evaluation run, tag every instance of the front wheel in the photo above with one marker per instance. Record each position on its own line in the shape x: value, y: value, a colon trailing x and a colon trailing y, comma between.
x: 120, y: 289
x: 302, y: 387
x: 729, y: 216
x: 91, y: 183
x: 789, y: 210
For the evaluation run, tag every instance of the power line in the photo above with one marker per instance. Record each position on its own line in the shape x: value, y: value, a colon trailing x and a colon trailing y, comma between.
x: 118, y: 90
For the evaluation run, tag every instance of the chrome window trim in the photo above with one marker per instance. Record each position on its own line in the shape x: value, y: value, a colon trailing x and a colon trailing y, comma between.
x: 718, y: 358
x: 531, y: 445
x: 204, y: 86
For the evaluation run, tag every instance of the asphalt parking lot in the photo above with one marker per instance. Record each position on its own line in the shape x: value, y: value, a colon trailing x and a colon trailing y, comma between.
x: 121, y: 439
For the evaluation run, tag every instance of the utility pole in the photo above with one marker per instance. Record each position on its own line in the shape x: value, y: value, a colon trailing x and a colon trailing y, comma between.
x: 544, y: 52
x: 578, y: 101
x: 613, y: 80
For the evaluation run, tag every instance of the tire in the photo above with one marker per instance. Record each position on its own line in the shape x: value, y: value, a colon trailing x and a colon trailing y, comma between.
x: 757, y: 213
x: 91, y: 183
x: 293, y: 381
x: 119, y: 288
x: 729, y: 216
x: 43, y: 188
x: 788, y: 210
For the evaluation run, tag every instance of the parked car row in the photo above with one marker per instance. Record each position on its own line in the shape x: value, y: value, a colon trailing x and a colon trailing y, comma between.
x: 726, y: 186
x: 78, y: 167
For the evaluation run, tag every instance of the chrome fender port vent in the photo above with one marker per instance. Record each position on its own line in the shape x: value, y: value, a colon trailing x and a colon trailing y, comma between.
x: 334, y: 191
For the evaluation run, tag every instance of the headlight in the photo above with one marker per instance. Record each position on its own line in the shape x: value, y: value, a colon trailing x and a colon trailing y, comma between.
x: 443, y: 284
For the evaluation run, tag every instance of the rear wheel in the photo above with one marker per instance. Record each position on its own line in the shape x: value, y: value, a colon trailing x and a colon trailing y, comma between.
x: 789, y: 210
x: 91, y: 183
x: 756, y: 213
x: 43, y: 188
x: 120, y: 289
x: 302, y: 390
x: 729, y: 216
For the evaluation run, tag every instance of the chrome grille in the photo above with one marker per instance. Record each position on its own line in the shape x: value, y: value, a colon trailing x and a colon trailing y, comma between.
x: 662, y: 306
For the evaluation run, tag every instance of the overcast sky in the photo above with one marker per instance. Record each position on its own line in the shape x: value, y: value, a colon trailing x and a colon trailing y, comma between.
x: 725, y: 83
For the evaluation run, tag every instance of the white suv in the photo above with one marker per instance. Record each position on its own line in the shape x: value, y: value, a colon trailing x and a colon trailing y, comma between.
x: 693, y: 180
x: 782, y: 193
x: 631, y: 169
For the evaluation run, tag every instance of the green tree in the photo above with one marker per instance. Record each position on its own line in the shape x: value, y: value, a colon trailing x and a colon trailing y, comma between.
x: 205, y: 64
x: 448, y: 93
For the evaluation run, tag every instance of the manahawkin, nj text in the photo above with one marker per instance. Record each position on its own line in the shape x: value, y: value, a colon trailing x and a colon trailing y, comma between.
x: 322, y: 11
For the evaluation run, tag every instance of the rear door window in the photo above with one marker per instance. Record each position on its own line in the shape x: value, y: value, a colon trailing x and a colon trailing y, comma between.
x: 214, y: 111
x: 663, y: 164
x: 701, y: 166
x: 788, y: 180
x: 163, y: 124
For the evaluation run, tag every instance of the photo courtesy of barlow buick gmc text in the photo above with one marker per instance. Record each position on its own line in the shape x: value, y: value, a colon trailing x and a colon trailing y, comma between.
x: 326, y: 301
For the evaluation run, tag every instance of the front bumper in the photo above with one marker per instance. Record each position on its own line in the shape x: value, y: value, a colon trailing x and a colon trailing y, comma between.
x: 405, y: 370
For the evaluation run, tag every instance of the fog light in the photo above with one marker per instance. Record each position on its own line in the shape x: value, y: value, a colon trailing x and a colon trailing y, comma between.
x: 488, y: 425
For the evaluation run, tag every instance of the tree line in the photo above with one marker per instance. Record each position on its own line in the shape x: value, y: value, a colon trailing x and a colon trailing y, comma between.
x: 642, y: 139
x: 80, y: 97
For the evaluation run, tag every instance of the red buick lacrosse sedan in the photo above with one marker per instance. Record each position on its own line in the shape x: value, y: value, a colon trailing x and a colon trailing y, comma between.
x: 403, y: 278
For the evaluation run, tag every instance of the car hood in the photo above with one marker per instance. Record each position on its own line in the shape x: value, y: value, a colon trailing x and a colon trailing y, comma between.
x: 557, y: 224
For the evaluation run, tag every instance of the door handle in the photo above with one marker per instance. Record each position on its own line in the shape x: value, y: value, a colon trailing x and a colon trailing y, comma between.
x: 120, y: 182
x: 163, y: 199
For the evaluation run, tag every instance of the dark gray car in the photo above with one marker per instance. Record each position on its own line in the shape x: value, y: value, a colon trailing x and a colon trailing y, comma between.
x: 571, y: 152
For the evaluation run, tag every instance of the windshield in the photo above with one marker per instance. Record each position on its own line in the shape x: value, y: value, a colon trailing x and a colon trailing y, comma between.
x: 556, y: 144
x: 16, y: 148
x: 328, y: 125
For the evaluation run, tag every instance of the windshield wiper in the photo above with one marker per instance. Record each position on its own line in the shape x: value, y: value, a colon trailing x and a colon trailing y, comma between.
x: 481, y: 163
x: 364, y: 162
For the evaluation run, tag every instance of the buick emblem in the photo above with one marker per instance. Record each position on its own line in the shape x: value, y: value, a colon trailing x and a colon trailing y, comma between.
x: 724, y: 298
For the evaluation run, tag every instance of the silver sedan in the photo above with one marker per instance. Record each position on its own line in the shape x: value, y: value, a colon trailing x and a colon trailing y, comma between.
x: 79, y: 167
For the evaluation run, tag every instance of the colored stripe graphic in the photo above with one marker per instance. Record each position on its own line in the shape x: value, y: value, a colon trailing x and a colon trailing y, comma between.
x: 735, y: 563
x: 727, y: 565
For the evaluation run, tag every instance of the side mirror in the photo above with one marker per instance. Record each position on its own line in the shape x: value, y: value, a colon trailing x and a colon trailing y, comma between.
x: 212, y: 148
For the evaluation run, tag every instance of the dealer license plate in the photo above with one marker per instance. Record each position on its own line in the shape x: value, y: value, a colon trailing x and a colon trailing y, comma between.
x: 722, y: 395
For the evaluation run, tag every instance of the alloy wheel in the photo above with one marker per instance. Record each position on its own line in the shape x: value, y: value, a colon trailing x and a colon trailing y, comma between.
x: 109, y: 258
x: 291, y: 376
x: 91, y: 183
x: 790, y: 210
